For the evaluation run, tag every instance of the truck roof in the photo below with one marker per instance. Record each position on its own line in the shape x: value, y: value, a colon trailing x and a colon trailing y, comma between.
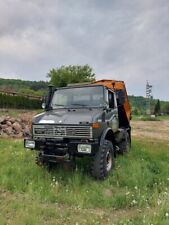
x: 112, y: 84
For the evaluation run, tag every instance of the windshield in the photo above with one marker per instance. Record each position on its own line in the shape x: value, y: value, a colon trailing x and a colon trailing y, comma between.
x: 78, y: 97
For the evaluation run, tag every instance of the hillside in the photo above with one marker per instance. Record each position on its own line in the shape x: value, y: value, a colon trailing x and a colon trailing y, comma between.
x: 23, y: 86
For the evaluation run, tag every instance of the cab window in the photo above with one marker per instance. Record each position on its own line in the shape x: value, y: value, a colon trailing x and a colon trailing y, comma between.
x: 111, y: 99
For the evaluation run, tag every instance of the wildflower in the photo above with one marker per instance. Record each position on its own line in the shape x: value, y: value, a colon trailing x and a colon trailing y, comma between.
x: 167, y: 214
x: 159, y: 202
x: 134, y: 202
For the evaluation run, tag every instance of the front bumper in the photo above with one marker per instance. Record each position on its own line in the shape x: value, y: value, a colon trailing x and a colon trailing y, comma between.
x: 63, y: 147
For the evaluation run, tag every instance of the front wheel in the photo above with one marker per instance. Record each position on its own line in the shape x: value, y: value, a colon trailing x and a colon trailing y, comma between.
x: 40, y: 161
x: 103, y: 161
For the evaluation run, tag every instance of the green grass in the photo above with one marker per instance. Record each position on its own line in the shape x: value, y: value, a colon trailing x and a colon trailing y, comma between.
x: 33, y: 195
x: 148, y: 118
x: 164, y: 117
x: 12, y: 112
x: 17, y: 112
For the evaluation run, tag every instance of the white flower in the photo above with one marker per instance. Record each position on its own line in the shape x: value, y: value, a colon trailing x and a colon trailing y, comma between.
x: 159, y: 202
x: 134, y: 202
x: 167, y: 214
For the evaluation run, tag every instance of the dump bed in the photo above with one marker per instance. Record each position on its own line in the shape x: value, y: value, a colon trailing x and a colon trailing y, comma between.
x: 115, y: 86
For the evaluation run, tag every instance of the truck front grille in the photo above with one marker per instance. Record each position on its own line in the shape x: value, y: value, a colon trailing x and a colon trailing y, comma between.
x: 54, y: 131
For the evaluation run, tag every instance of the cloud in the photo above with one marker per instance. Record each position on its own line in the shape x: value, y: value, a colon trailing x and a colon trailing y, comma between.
x: 120, y: 39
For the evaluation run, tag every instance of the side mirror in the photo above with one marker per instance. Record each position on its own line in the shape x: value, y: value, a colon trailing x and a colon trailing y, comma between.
x: 43, y: 105
x: 44, y: 102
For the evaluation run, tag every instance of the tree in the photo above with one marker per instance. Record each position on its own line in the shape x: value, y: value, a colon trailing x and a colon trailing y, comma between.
x: 165, y: 108
x: 64, y: 75
x: 157, y: 108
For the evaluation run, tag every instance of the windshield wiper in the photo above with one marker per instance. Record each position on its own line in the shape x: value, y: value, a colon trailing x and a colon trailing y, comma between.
x: 57, y: 105
x: 78, y: 104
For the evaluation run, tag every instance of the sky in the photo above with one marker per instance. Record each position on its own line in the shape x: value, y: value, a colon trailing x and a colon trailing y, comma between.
x: 120, y: 39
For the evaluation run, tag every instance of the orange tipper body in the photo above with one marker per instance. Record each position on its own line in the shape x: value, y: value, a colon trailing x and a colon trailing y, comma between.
x: 117, y: 85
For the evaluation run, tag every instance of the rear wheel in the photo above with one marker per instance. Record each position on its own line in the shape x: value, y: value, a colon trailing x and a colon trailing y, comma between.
x: 103, y: 161
x: 125, y: 144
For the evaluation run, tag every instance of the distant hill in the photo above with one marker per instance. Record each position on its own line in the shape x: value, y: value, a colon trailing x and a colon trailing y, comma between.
x: 22, y: 86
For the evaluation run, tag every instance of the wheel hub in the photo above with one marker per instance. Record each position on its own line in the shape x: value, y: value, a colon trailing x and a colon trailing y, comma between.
x: 109, y: 161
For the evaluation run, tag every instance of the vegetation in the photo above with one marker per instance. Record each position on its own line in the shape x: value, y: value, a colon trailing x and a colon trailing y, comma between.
x: 64, y: 75
x: 138, y: 104
x: 22, y: 86
x: 165, y: 108
x: 18, y: 102
x: 136, y: 192
x: 157, y: 108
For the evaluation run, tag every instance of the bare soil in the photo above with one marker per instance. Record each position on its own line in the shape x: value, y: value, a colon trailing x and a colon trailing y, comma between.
x: 158, y: 130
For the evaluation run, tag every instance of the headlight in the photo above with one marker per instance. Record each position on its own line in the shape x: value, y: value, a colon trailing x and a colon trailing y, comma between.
x: 29, y: 144
x: 83, y: 148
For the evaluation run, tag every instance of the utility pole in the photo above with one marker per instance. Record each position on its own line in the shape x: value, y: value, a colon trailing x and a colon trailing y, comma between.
x: 149, y: 96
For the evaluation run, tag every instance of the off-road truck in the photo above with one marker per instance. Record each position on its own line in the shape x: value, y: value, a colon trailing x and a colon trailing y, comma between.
x: 84, y: 119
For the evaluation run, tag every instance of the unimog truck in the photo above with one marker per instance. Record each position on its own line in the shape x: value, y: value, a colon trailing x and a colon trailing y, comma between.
x: 90, y: 119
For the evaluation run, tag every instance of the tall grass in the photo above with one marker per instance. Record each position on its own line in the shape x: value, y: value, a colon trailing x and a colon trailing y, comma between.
x: 140, y: 180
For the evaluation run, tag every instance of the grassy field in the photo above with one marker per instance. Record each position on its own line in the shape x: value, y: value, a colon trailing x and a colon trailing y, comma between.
x: 15, y: 113
x: 148, y: 118
x: 136, y: 192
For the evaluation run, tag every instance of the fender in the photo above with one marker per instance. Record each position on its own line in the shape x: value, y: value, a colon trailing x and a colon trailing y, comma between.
x: 104, y: 134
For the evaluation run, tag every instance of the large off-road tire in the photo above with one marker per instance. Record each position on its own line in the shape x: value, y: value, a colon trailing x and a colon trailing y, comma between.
x: 103, y: 161
x: 125, y: 144
x: 39, y: 160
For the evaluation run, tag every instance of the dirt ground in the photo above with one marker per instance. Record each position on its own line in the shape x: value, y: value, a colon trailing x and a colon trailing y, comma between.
x: 158, y: 130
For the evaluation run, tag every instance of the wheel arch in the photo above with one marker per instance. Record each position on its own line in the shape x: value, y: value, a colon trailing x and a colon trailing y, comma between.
x: 108, y: 134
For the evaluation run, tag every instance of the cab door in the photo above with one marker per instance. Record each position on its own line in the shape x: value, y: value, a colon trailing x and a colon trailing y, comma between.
x: 112, y: 112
